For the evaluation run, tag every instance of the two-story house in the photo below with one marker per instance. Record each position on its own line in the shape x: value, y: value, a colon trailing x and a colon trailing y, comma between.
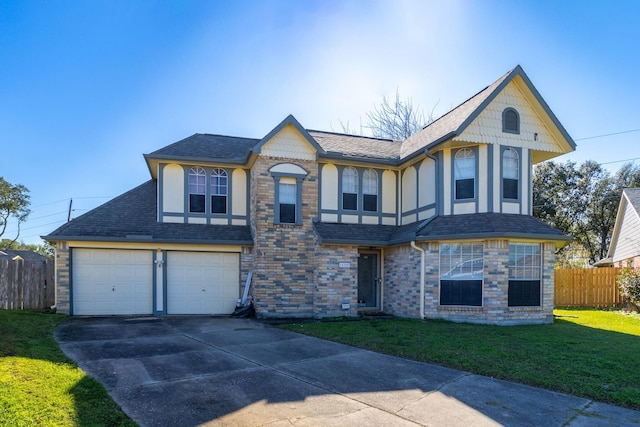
x: 437, y: 226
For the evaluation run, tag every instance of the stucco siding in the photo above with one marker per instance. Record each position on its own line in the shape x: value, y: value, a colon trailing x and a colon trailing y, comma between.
x: 525, y: 187
x: 483, y: 182
x: 627, y: 244
x: 447, y: 173
x: 289, y: 144
x: 427, y: 183
x: 497, y: 180
x: 409, y: 190
x: 389, y: 192
x: 464, y: 208
x: 329, y: 184
x: 172, y: 188
x: 239, y: 189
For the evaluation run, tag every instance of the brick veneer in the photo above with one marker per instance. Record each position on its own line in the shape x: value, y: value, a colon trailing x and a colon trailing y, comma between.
x: 335, y: 284
x: 63, y: 301
x: 284, y: 271
x: 402, y: 287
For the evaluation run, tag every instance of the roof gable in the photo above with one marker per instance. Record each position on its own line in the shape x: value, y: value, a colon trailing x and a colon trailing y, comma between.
x: 289, y: 140
x: 627, y: 223
x: 454, y: 123
x: 537, y: 131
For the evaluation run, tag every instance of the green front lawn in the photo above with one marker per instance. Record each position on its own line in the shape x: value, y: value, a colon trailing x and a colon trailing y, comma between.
x: 39, y: 385
x: 589, y: 353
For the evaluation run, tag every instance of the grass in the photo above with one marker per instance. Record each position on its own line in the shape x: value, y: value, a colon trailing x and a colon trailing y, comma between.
x: 589, y: 353
x: 39, y: 385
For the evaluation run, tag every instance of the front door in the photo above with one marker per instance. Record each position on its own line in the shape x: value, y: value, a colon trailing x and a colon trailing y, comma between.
x: 368, y: 280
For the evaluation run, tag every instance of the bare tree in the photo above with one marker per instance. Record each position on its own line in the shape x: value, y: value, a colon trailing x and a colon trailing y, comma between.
x: 396, y: 119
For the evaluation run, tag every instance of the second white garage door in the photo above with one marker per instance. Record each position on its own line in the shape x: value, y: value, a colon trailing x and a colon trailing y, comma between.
x: 202, y: 282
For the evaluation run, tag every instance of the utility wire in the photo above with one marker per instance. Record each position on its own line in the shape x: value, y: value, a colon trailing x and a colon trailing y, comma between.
x: 607, y: 134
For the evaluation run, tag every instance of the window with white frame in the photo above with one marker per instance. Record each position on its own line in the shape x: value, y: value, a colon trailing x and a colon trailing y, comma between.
x: 287, y: 200
x: 370, y: 190
x: 197, y: 189
x: 464, y: 164
x: 219, y: 189
x: 461, y: 273
x: 525, y: 271
x: 350, y: 189
x: 510, y: 173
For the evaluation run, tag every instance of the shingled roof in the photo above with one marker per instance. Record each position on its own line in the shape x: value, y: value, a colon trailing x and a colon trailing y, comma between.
x: 132, y: 217
x: 448, y: 227
x: 208, y: 147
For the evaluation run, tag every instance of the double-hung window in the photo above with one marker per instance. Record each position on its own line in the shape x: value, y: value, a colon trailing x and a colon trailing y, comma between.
x: 287, y: 195
x: 350, y: 189
x: 524, y: 274
x: 510, y: 173
x: 370, y: 190
x: 464, y: 164
x: 197, y: 189
x: 461, y: 274
x: 219, y: 189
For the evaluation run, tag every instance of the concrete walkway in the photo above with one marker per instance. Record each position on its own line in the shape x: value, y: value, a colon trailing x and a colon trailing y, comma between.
x: 191, y: 371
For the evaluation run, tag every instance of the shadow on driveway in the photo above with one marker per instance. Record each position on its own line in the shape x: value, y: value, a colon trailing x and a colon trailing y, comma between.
x: 191, y: 371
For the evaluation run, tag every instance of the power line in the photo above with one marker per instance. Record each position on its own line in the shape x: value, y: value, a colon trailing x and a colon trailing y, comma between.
x: 607, y: 134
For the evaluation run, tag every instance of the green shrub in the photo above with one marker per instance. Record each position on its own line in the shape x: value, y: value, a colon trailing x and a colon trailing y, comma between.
x: 629, y: 282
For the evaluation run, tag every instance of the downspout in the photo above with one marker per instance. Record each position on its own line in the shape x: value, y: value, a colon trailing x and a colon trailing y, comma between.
x: 422, y: 267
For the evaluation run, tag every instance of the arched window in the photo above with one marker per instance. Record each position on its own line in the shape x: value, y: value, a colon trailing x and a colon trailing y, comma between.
x: 510, y: 173
x: 464, y: 165
x: 219, y: 189
x: 370, y: 190
x: 510, y: 121
x: 197, y: 189
x: 350, y: 189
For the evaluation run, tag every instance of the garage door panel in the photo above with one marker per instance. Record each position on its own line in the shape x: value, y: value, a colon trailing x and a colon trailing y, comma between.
x: 202, y: 283
x: 112, y: 281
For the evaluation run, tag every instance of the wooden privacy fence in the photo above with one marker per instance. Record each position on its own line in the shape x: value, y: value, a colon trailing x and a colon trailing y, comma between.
x: 587, y: 287
x: 26, y: 284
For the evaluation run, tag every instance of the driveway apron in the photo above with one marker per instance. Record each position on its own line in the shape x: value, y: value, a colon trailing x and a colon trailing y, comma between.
x: 211, y: 371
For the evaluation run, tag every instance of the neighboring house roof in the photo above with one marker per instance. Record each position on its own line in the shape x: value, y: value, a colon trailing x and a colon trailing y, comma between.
x: 625, y: 238
x: 132, y: 217
x: 26, y: 255
x: 449, y: 227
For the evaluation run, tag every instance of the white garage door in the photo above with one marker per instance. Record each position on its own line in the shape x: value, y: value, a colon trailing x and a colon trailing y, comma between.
x: 112, y: 281
x: 202, y: 283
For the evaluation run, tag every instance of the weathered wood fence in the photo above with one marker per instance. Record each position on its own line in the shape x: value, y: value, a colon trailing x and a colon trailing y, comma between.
x: 26, y: 284
x: 587, y: 287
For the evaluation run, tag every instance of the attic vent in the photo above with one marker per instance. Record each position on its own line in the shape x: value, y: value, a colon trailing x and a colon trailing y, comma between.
x: 510, y: 120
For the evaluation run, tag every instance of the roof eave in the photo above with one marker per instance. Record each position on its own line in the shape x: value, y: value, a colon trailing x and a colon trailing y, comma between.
x: 53, y: 238
x: 334, y: 155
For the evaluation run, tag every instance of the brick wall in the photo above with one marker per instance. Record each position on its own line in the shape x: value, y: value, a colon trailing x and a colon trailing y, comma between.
x: 335, y: 284
x: 402, y: 287
x: 63, y: 301
x: 283, y: 264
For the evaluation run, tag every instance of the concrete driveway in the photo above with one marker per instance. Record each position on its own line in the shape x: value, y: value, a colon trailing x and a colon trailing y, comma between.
x: 191, y: 371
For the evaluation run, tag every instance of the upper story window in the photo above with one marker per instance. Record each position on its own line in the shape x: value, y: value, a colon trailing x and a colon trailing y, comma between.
x: 510, y: 120
x: 287, y: 207
x: 370, y: 190
x: 350, y: 189
x: 287, y: 195
x: 464, y: 165
x: 197, y: 189
x: 510, y: 173
x: 219, y: 191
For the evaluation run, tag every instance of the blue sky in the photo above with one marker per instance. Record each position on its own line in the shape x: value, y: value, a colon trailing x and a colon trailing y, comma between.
x: 88, y: 87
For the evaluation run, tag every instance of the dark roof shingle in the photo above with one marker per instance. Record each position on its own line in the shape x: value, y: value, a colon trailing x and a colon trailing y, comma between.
x: 208, y: 147
x: 451, y: 227
x: 133, y: 217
